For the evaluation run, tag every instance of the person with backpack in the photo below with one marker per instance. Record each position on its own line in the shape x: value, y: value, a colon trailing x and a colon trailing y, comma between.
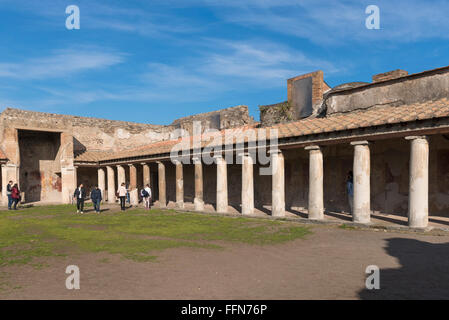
x: 15, y: 195
x: 146, y: 196
x: 79, y: 196
x: 96, y: 198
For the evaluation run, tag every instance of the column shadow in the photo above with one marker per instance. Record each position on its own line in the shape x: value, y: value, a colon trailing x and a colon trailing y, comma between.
x: 423, y: 273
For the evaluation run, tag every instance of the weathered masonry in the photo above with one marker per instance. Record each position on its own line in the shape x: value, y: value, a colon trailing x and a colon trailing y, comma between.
x: 392, y: 133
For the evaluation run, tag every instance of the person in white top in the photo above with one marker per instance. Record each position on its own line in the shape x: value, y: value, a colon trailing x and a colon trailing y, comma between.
x: 121, y: 193
x: 146, y: 196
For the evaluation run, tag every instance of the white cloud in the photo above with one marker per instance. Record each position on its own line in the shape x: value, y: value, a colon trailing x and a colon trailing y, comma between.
x: 60, y: 64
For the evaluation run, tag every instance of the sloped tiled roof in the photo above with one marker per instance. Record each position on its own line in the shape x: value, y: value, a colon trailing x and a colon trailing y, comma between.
x: 375, y: 116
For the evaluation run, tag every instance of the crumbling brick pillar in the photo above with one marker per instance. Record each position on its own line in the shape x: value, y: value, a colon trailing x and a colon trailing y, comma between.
x: 68, y: 170
x: 162, y: 184
x: 278, y: 184
x: 69, y: 181
x: 247, y: 184
x: 111, y: 184
x: 362, y: 170
x: 198, y: 201
x: 316, y: 202
x: 222, y: 184
x: 418, y: 203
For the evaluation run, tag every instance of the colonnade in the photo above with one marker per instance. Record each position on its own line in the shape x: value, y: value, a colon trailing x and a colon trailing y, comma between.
x: 418, y: 185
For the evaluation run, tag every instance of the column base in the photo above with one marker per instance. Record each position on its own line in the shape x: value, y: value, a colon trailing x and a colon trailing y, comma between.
x: 199, y: 205
x: 180, y: 204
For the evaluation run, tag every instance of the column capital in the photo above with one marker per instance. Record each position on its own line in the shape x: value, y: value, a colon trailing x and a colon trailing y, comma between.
x: 416, y: 138
x: 360, y: 143
x: 218, y: 156
x: 131, y: 164
x: 313, y: 147
x: 144, y: 163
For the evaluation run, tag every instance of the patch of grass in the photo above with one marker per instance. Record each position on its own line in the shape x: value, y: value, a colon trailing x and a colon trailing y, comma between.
x: 347, y: 227
x: 51, y: 231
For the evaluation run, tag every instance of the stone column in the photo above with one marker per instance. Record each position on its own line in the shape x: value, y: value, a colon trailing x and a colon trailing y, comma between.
x: 316, y: 202
x: 198, y: 201
x: 222, y: 184
x: 146, y: 174
x: 278, y: 184
x: 247, y: 184
x: 121, y: 176
x: 133, y: 192
x: 111, y: 184
x: 102, y: 181
x: 418, y: 202
x: 162, y: 184
x: 362, y: 170
x: 179, y: 185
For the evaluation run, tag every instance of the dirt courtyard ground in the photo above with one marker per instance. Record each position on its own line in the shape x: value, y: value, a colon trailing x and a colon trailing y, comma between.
x: 329, y: 263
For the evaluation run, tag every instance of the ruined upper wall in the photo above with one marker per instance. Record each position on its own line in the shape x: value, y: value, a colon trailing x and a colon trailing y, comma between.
x: 219, y: 120
x: 408, y: 89
x: 88, y: 133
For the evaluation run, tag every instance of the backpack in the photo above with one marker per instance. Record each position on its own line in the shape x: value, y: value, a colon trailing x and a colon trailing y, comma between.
x: 145, y: 193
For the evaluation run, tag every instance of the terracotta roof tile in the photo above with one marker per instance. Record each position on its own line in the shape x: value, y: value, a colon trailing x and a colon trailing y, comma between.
x: 352, y: 120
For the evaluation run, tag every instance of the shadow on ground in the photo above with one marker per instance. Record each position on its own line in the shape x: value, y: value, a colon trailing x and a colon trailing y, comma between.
x: 424, y: 271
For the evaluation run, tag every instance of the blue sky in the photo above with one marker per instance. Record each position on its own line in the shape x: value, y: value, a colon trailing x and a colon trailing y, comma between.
x: 155, y: 61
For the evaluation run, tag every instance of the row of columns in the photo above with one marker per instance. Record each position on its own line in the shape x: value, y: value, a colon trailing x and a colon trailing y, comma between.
x: 418, y: 193
x: 418, y: 182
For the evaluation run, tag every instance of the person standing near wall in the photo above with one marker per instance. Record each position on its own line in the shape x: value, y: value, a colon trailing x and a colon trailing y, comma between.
x: 15, y: 195
x: 96, y: 198
x: 128, y: 197
x: 350, y: 190
x: 8, y: 193
x: 121, y: 193
x: 80, y: 195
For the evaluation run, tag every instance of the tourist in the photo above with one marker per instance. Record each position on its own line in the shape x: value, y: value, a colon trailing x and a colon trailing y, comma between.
x: 15, y: 195
x: 80, y: 195
x: 121, y: 193
x: 146, y: 196
x: 350, y: 190
x: 96, y: 198
x: 128, y: 197
x: 8, y: 192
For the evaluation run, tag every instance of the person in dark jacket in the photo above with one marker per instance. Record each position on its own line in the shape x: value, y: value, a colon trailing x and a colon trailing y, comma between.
x: 15, y: 195
x: 96, y: 198
x: 79, y: 196
x: 8, y: 193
